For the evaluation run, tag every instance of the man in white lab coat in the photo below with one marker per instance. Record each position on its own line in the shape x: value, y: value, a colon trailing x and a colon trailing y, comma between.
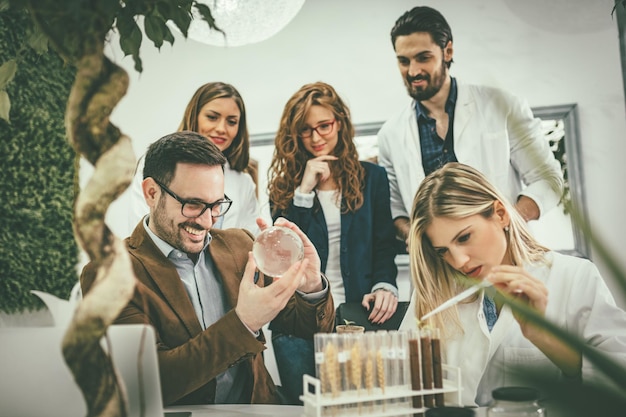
x: 448, y: 121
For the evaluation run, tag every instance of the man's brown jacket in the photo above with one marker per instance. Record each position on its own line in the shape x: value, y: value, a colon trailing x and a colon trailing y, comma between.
x: 190, y: 358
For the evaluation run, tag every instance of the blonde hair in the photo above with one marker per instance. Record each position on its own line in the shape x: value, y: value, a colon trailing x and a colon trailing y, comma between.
x: 456, y: 191
x: 290, y: 155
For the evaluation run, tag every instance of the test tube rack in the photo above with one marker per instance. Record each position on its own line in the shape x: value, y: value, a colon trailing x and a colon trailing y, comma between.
x: 315, y: 402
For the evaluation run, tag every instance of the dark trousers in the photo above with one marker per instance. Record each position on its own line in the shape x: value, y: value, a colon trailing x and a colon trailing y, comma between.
x: 294, y: 358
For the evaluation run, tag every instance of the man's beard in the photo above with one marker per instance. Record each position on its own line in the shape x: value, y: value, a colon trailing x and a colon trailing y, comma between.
x: 168, y: 231
x: 433, y: 84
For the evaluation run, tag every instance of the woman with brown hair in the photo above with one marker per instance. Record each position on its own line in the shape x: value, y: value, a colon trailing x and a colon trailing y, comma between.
x: 317, y: 181
x: 217, y: 111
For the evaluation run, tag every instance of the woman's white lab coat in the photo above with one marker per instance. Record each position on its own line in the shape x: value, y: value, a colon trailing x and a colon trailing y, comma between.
x: 578, y: 300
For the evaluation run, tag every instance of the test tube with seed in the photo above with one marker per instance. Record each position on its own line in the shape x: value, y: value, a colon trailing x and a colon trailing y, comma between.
x: 380, y: 371
x: 356, y: 362
x: 343, y: 358
x: 370, y: 377
x: 355, y: 368
x: 331, y: 368
x: 381, y: 368
x: 392, y: 369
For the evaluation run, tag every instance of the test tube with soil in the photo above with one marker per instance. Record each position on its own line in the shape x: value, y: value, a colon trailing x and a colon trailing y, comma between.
x: 415, y: 359
x: 427, y: 366
x: 437, y: 366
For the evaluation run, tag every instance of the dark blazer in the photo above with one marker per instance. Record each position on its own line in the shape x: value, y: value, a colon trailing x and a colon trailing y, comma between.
x: 190, y: 358
x: 367, y: 236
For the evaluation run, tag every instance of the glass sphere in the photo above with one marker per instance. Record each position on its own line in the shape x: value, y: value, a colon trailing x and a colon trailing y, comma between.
x: 275, y: 249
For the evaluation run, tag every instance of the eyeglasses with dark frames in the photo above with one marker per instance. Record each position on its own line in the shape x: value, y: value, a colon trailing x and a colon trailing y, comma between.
x: 194, y: 208
x: 323, y: 129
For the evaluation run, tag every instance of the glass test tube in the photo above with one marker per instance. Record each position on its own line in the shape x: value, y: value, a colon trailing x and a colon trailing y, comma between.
x: 437, y: 366
x: 320, y: 340
x: 415, y: 358
x: 401, y: 343
x: 329, y: 367
x: 357, y: 350
x: 356, y: 370
x: 392, y: 369
x: 383, y: 369
x: 427, y: 366
x: 371, y: 369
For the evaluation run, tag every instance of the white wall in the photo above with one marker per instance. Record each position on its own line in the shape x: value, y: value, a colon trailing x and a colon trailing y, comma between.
x: 571, y: 57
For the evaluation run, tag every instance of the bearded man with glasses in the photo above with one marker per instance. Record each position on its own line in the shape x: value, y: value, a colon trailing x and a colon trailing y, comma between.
x: 198, y: 287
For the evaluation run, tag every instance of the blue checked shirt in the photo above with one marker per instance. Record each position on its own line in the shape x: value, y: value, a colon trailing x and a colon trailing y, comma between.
x: 491, y: 314
x: 436, y: 151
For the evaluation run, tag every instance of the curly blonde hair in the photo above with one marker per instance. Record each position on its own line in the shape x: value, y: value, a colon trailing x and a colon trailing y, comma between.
x: 290, y: 156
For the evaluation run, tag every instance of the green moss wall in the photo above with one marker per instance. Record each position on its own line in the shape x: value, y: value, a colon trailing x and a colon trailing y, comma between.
x: 37, y: 176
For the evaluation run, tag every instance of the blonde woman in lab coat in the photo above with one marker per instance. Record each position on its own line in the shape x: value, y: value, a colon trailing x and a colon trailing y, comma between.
x: 462, y: 227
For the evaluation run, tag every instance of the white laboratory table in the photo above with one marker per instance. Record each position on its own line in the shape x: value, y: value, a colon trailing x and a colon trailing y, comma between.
x: 240, y: 410
x: 237, y: 410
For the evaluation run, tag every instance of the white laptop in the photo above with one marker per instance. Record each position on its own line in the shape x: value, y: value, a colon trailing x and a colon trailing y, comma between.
x: 35, y: 381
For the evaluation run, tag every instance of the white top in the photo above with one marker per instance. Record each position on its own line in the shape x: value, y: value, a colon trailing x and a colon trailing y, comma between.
x: 331, y: 206
x: 579, y: 301
x: 238, y: 186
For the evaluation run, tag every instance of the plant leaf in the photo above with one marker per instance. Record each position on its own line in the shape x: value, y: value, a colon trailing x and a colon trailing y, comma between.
x: 7, y: 72
x: 618, y: 2
x: 130, y: 34
x: 167, y: 35
x: 130, y: 37
x: 124, y: 23
x: 155, y: 27
x: 603, y: 362
x: 205, y: 12
x: 182, y: 19
x: 138, y: 63
x: 600, y: 250
x: 5, y: 105
x: 164, y: 8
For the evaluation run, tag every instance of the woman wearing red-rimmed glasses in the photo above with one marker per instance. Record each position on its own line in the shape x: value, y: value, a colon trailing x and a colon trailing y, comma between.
x: 317, y: 181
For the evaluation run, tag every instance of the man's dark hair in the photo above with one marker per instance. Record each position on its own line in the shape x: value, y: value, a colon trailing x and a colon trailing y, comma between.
x: 423, y: 19
x: 180, y: 147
